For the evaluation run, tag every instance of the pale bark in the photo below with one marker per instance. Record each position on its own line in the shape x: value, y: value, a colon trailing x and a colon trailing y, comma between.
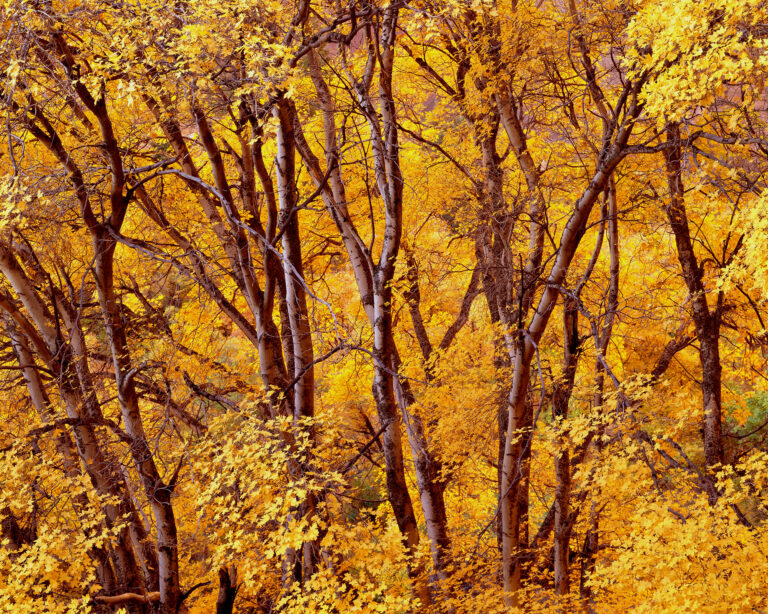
x: 374, y: 285
x: 610, y: 155
x: 101, y: 468
x: 296, y: 304
x: 63, y: 442
x: 103, y: 241
x: 157, y: 491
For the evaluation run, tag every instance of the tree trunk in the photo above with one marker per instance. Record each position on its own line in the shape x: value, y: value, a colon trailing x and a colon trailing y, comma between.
x: 374, y: 283
x: 561, y: 398
x: 527, y: 342
x: 706, y: 320
x: 158, y: 493
x: 102, y: 469
x: 296, y: 304
x: 228, y: 587
x: 384, y: 395
x: 64, y: 447
x: 591, y: 539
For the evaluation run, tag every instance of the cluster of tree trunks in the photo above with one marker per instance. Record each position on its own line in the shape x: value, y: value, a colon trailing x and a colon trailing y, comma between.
x: 253, y: 212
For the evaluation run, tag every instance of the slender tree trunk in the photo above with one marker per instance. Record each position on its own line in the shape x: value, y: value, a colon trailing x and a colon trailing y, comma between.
x: 158, y: 493
x: 561, y: 398
x: 384, y: 395
x: 296, y: 303
x: 706, y: 320
x: 373, y: 281
x: 429, y: 482
x: 64, y: 446
x: 591, y: 540
x: 102, y: 469
x: 526, y: 344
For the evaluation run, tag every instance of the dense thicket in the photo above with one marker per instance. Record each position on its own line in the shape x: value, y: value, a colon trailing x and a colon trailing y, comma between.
x: 314, y: 306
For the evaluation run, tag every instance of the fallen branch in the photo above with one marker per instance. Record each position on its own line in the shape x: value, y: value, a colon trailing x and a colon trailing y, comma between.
x: 128, y: 598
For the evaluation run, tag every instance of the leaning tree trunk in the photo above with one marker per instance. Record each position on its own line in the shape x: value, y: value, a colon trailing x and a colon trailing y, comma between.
x: 374, y: 279
x: 63, y: 444
x: 157, y: 491
x: 102, y: 469
x: 528, y: 339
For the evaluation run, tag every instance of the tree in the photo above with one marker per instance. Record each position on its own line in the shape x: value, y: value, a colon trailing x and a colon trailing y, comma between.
x: 382, y: 306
